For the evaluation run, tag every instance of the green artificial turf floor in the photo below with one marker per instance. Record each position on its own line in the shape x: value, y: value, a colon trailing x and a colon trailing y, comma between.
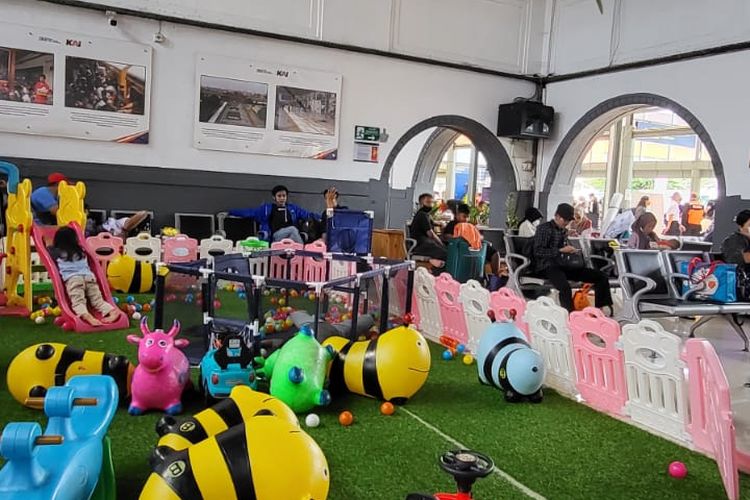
x: 559, y: 449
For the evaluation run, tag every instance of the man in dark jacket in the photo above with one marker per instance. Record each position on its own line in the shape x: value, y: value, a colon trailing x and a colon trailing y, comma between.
x: 428, y: 243
x: 278, y: 219
x: 554, y: 260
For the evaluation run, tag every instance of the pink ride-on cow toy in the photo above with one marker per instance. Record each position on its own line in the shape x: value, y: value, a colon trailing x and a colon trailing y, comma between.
x: 162, y: 373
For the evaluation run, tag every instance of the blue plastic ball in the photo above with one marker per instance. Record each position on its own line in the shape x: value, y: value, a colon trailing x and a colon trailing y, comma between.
x: 460, y: 348
x: 116, y: 300
x: 242, y: 295
x: 130, y: 299
x: 447, y: 355
x: 138, y: 307
x: 189, y: 298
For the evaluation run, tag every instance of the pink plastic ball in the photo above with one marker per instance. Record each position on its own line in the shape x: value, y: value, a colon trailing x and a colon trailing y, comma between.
x: 217, y: 304
x: 678, y: 470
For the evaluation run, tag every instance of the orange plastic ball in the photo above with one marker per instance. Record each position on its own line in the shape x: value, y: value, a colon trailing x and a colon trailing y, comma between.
x: 146, y: 308
x: 387, y: 408
x: 346, y: 418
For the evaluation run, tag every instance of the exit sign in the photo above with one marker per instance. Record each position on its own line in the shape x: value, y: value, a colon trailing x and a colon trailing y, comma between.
x: 362, y: 133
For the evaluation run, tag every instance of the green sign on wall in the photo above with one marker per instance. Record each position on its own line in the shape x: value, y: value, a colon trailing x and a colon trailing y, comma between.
x: 362, y: 133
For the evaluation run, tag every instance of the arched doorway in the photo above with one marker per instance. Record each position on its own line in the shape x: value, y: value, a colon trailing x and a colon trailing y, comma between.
x: 441, y: 133
x: 559, y: 180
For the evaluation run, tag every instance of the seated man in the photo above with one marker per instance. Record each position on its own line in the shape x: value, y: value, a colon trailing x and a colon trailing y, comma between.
x: 551, y: 256
x: 279, y: 218
x: 45, y: 202
x: 428, y: 243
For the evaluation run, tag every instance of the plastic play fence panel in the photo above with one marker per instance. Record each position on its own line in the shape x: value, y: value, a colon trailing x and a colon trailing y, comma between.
x: 654, y: 372
x: 451, y: 309
x: 712, y: 425
x: 279, y: 264
x: 349, y: 231
x: 180, y: 249
x: 504, y: 303
x: 426, y: 308
x: 314, y: 268
x: 144, y: 247
x: 548, y: 327
x: 599, y: 363
x: 215, y: 245
x: 476, y: 303
x: 106, y: 247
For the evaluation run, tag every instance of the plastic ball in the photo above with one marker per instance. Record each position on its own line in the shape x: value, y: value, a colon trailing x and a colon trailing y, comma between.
x: 116, y: 300
x: 217, y: 304
x: 242, y: 295
x: 311, y: 296
x: 189, y: 298
x: 312, y: 420
x: 346, y: 418
x: 294, y: 293
x: 136, y: 316
x: 460, y: 348
x: 138, y: 307
x: 678, y: 470
x: 387, y: 408
x: 273, y: 300
x: 282, y: 301
x: 270, y: 328
x: 46, y: 305
x: 468, y: 359
x: 146, y: 307
x: 130, y: 299
x: 408, y: 318
x: 56, y: 311
x: 288, y: 323
x: 266, y: 292
x: 447, y: 355
x: 39, y: 320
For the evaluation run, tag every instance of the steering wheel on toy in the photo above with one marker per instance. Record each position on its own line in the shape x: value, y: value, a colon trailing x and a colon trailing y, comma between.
x: 466, y: 464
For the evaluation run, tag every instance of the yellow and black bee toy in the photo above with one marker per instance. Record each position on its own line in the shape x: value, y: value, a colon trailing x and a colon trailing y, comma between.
x: 242, y: 404
x: 127, y: 275
x: 245, y: 460
x: 392, y: 367
x: 41, y: 366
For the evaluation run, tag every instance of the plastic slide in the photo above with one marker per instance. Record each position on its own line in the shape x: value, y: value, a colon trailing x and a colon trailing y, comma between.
x: 43, y: 237
x: 15, y: 263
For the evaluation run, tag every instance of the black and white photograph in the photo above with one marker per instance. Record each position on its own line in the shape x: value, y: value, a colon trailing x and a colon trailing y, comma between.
x: 306, y: 111
x: 229, y: 101
x: 104, y: 85
x: 26, y: 76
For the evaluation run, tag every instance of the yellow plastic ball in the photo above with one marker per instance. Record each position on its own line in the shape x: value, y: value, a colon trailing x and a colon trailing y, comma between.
x: 468, y: 359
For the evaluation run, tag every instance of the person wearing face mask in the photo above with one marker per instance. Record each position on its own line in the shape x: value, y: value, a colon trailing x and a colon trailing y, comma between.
x: 279, y: 218
x: 736, y: 247
x: 532, y: 218
x: 428, y: 243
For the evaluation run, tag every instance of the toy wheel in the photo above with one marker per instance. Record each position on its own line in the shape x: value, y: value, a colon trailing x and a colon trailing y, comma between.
x: 466, y: 464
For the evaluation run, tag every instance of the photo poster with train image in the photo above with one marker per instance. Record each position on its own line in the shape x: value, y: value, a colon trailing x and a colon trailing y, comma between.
x: 251, y: 107
x: 63, y: 84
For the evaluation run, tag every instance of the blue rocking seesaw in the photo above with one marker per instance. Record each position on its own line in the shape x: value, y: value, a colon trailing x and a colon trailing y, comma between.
x: 71, y: 460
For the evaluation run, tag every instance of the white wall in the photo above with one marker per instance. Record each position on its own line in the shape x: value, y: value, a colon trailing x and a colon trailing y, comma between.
x: 487, y: 33
x: 714, y: 89
x: 632, y: 30
x: 376, y: 91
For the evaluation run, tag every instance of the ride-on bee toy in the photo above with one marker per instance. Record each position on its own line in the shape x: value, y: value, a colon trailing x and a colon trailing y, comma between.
x: 466, y: 467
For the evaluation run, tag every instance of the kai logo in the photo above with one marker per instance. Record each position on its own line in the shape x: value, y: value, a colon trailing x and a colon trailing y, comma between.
x: 73, y: 43
x: 175, y: 469
x: 187, y: 427
x: 283, y: 73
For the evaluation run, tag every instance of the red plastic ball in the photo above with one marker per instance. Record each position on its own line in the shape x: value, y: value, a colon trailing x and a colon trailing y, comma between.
x: 387, y: 408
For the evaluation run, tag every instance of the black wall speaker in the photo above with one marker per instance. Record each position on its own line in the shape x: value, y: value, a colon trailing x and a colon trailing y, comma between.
x: 525, y: 120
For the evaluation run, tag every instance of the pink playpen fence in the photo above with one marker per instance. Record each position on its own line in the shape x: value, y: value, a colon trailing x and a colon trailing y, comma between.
x: 451, y: 309
x: 600, y: 365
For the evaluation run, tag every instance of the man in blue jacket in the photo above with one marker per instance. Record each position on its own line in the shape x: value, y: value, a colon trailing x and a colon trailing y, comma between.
x: 278, y: 219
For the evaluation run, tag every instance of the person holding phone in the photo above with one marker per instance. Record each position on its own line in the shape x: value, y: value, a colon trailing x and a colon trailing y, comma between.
x: 553, y: 260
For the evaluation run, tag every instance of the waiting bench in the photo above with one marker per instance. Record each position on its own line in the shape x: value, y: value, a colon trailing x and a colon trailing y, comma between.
x: 652, y: 287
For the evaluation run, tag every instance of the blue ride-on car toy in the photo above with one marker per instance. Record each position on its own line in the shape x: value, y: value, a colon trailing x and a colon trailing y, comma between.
x: 228, y: 362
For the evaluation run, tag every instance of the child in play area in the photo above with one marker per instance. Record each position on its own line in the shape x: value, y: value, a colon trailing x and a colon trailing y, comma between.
x: 79, y: 279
